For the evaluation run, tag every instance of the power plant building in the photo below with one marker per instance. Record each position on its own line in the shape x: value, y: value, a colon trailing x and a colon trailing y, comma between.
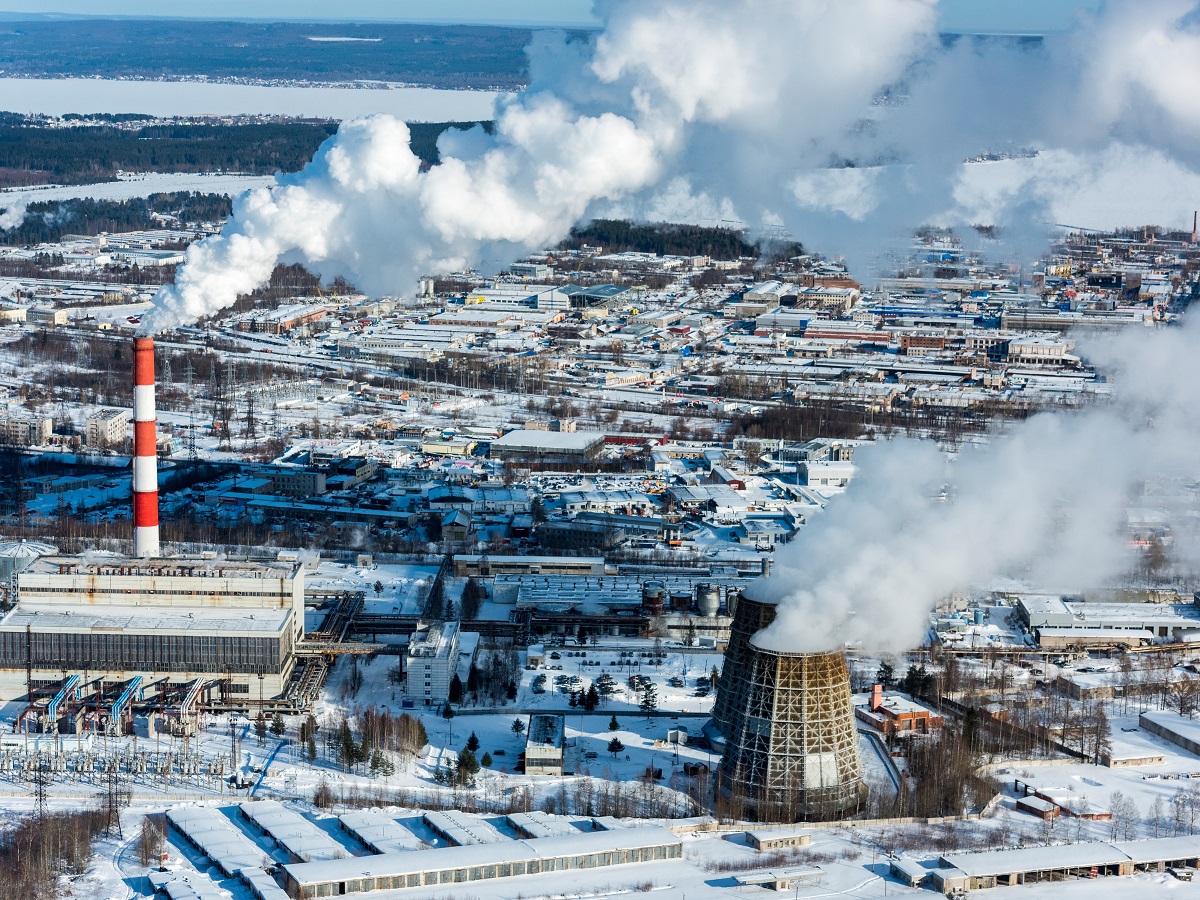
x: 163, y: 620
x: 787, y: 723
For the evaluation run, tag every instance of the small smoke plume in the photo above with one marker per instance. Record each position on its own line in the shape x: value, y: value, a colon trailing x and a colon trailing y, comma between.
x: 1044, y: 501
x: 12, y: 216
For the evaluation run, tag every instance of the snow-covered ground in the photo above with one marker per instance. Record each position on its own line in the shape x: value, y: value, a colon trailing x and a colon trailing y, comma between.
x: 136, y: 185
x: 403, y: 587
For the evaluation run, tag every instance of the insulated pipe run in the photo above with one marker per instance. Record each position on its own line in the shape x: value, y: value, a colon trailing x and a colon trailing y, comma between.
x: 145, y: 451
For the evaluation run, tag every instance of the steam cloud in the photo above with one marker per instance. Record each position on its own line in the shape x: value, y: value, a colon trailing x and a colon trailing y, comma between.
x: 12, y: 216
x: 1044, y: 502
x: 764, y: 111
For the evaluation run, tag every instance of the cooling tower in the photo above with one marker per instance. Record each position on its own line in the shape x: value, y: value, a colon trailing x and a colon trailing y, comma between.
x: 145, y: 451
x: 791, y: 747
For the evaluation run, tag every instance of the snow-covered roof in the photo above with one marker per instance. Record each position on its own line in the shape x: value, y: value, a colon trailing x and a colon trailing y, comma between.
x: 133, y: 619
x: 462, y: 829
x: 380, y: 833
x: 1073, y: 856
x: 211, y: 832
x: 523, y: 439
x: 546, y: 731
x: 443, y: 858
x: 262, y: 885
x: 294, y: 833
x: 538, y: 824
x: 25, y: 549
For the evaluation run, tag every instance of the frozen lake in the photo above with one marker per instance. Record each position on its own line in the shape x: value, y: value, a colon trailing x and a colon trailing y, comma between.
x: 56, y: 96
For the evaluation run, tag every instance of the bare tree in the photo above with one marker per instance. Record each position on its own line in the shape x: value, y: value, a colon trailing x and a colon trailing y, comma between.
x: 1124, y: 816
x: 1185, y: 694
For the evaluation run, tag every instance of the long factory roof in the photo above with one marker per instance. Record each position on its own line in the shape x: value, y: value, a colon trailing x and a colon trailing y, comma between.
x: 174, y: 567
x: 442, y: 858
x: 1073, y: 856
x: 84, y: 617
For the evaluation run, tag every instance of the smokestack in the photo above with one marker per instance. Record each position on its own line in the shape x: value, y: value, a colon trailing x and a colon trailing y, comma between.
x: 145, y: 451
x: 1195, y: 216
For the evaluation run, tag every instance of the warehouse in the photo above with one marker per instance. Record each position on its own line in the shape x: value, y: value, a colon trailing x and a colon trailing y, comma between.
x: 525, y: 444
x: 1058, y: 623
x: 457, y: 865
x: 1029, y: 865
x: 214, y: 835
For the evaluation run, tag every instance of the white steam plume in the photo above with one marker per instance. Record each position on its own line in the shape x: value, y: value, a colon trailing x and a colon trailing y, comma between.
x: 12, y: 216
x: 1045, y: 500
x: 587, y: 130
x: 743, y: 109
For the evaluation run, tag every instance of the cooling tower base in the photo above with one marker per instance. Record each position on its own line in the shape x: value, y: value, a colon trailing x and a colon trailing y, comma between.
x: 822, y: 805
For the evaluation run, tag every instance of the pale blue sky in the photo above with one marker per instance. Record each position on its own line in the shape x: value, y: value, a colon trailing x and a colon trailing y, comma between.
x: 957, y: 15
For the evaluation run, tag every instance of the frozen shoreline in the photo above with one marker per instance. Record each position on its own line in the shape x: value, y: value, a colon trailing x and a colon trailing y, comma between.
x: 59, y: 96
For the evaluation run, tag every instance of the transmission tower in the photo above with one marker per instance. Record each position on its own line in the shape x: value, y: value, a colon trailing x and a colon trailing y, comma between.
x: 191, y: 435
x: 41, y: 780
x: 114, y: 799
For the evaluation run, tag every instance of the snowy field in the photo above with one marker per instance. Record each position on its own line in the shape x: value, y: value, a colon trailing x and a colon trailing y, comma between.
x: 140, y: 185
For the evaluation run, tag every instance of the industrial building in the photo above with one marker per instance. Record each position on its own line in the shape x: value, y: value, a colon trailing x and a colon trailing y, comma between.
x: 544, y: 745
x: 1182, y: 731
x: 457, y: 865
x: 91, y: 637
x: 267, y: 584
x: 622, y: 605
x: 524, y: 444
x: 1030, y: 865
x: 891, y: 712
x: 785, y: 721
x: 218, y: 628
x: 431, y: 662
x: 487, y: 565
x: 1058, y: 623
x: 778, y: 838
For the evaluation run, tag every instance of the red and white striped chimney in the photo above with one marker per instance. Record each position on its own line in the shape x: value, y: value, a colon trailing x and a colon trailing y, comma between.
x: 145, y: 451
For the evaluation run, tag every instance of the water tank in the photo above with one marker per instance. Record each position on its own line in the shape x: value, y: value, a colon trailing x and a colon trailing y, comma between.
x: 708, y: 600
x: 681, y: 600
x: 653, y: 597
